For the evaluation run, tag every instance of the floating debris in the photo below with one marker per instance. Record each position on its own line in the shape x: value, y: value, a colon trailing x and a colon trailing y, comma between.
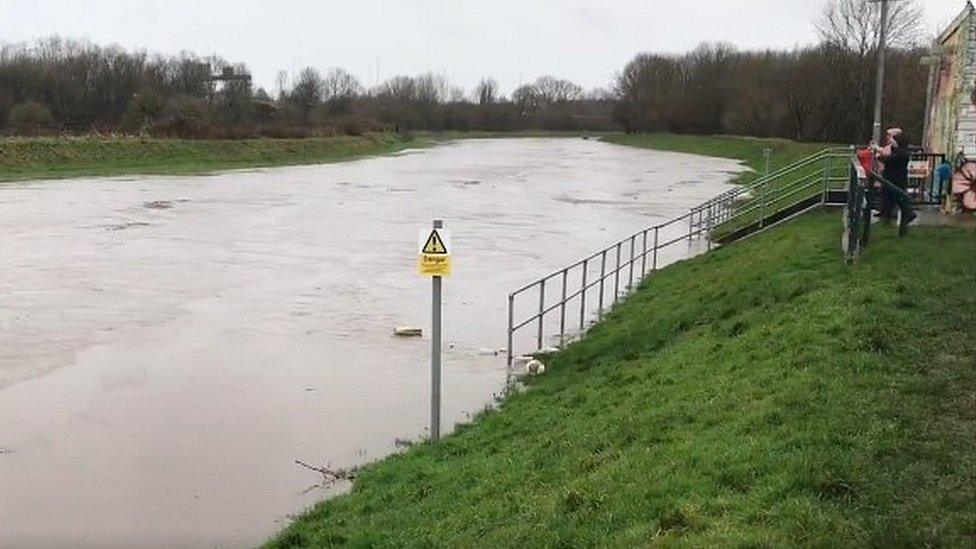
x: 408, y: 331
x: 158, y: 204
x: 128, y: 225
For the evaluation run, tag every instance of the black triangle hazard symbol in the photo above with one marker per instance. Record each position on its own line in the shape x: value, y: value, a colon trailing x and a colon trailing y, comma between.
x: 435, y: 245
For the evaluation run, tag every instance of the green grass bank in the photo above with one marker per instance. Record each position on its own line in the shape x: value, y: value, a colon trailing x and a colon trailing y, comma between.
x: 747, y: 149
x: 49, y: 158
x: 761, y: 395
x: 43, y: 158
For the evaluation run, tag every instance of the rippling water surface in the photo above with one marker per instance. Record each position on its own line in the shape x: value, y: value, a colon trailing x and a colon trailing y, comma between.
x: 170, y: 345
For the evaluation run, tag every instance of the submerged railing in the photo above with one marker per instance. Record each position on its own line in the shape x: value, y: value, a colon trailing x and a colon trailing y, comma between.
x: 825, y: 177
x: 630, y: 259
x: 621, y: 266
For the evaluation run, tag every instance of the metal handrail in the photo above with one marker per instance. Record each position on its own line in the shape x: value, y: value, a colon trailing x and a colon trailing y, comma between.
x: 784, y: 190
x: 777, y: 193
x: 574, y: 281
x: 599, y: 253
x: 833, y: 152
x: 720, y: 208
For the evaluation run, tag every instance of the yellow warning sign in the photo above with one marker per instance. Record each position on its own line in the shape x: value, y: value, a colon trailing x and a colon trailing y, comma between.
x: 434, y: 244
x: 435, y: 256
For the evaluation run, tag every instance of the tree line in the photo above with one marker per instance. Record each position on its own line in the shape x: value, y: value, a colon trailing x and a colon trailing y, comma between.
x: 66, y: 86
x: 821, y: 93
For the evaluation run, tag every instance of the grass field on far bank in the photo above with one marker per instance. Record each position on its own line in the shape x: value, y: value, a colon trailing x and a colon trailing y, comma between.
x: 44, y: 158
x: 48, y: 158
x: 763, y: 395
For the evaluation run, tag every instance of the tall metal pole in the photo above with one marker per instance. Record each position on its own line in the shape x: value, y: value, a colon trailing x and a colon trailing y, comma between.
x: 435, y: 355
x: 879, y: 84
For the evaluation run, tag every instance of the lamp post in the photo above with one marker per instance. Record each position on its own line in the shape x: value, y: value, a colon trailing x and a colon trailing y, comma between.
x: 879, y: 84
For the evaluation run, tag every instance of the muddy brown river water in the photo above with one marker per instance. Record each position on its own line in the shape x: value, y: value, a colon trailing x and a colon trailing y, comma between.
x: 170, y: 345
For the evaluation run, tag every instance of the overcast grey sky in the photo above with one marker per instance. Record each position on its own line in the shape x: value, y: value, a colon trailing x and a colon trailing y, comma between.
x: 513, y: 40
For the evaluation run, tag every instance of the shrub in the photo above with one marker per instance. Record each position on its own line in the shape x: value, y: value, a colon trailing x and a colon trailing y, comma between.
x: 30, y: 116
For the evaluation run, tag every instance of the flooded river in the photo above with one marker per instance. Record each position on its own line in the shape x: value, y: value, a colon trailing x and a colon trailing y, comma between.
x: 170, y: 345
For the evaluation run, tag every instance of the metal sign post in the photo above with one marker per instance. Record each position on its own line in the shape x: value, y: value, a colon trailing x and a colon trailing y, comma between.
x: 435, y: 261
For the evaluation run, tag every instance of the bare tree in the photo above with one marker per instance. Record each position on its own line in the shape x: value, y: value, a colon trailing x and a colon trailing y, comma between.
x: 526, y: 98
x: 432, y: 89
x: 486, y: 92
x: 455, y: 94
x: 555, y: 90
x: 402, y: 89
x: 855, y: 24
x: 281, y: 80
x: 340, y: 86
x: 309, y: 89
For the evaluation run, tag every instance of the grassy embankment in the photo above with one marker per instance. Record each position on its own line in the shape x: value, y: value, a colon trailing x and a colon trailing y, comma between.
x: 42, y: 158
x: 803, y: 183
x: 28, y: 158
x: 48, y: 158
x: 747, y: 149
x: 760, y: 395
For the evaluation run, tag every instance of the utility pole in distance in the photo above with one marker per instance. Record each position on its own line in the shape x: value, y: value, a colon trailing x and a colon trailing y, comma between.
x: 879, y: 84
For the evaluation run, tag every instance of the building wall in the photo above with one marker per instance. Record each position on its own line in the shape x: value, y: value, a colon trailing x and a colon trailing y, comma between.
x: 953, y: 116
x: 965, y: 139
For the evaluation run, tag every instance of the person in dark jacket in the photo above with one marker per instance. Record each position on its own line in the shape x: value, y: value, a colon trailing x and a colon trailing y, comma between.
x: 895, y: 155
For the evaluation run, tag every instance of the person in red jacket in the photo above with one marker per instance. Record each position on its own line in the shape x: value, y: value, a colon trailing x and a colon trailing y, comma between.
x: 896, y: 154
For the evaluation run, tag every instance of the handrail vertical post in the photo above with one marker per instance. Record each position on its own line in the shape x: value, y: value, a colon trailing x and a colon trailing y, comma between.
x: 586, y: 263
x: 762, y: 204
x: 616, y: 276
x: 630, y: 276
x: 603, y: 277
x: 691, y: 222
x: 511, y: 323
x: 644, y: 255
x: 826, y: 181
x: 708, y: 228
x: 654, y: 258
x: 562, y: 310
x: 542, y: 308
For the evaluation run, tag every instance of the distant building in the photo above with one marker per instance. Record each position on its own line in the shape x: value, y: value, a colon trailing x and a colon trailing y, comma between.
x: 950, y: 123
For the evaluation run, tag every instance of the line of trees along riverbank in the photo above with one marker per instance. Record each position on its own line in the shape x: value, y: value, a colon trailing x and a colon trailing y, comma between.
x: 820, y: 93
